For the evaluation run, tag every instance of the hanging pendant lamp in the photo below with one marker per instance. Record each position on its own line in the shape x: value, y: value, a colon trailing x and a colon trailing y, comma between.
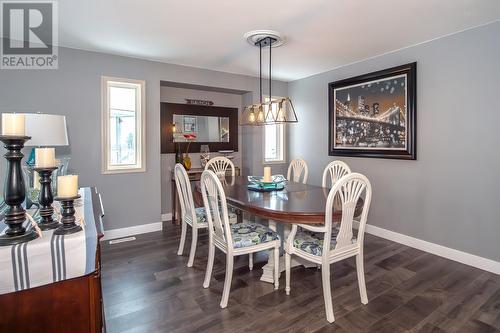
x: 271, y: 111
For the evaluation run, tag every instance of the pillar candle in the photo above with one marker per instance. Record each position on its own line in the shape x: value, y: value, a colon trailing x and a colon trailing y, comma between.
x: 267, y: 174
x: 13, y: 124
x: 45, y: 157
x: 67, y: 186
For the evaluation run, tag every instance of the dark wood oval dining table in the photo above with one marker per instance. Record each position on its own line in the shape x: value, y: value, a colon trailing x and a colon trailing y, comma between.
x: 296, y: 203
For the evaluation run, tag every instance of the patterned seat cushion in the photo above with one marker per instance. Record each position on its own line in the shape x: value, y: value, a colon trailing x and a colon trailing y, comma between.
x: 312, y: 242
x: 250, y: 233
x: 202, y: 219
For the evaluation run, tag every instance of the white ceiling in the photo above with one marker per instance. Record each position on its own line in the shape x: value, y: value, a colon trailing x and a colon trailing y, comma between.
x: 321, y: 34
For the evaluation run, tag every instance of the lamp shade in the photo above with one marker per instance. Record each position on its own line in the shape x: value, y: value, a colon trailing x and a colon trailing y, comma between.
x: 46, y: 130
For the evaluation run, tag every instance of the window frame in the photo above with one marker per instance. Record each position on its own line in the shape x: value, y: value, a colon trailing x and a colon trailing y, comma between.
x: 140, y: 165
x: 283, y: 141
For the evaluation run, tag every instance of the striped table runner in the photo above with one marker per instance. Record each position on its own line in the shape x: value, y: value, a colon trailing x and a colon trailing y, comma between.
x: 51, y: 258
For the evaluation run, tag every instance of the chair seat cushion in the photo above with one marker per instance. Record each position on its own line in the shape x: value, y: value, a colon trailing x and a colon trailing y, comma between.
x: 250, y: 233
x: 201, y: 218
x: 312, y: 242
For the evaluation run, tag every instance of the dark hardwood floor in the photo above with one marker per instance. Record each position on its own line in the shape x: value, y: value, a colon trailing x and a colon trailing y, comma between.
x: 148, y: 288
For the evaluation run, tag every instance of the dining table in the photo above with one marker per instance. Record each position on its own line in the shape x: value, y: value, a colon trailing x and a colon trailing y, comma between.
x: 295, y: 203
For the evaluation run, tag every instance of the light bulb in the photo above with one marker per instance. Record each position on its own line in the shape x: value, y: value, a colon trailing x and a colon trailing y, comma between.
x: 260, y: 115
x: 251, y: 117
x: 281, y: 113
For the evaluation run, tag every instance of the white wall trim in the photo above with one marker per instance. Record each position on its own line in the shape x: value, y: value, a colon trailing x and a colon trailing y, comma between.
x: 137, y: 229
x: 439, y: 250
x: 130, y: 231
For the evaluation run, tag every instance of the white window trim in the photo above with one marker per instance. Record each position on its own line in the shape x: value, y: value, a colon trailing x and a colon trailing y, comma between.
x: 140, y: 166
x: 270, y: 162
x: 264, y: 148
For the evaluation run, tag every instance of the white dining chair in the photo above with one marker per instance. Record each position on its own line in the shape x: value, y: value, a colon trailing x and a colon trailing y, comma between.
x: 296, y: 170
x: 244, y: 238
x: 324, y: 245
x: 333, y: 172
x: 194, y: 217
x: 220, y: 165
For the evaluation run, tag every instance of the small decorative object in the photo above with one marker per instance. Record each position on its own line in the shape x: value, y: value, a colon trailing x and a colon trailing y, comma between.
x: 374, y: 115
x: 68, y: 219
x: 186, y: 160
x: 204, y: 155
x: 267, y: 175
x: 178, y: 154
x: 276, y: 183
x: 14, y: 191
x: 67, y: 193
x: 46, y: 198
x: 199, y: 102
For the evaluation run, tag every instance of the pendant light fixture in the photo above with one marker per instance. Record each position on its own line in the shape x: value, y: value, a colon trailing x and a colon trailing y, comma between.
x: 271, y: 111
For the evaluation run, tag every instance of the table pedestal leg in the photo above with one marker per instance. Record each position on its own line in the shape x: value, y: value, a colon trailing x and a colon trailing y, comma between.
x: 268, y: 269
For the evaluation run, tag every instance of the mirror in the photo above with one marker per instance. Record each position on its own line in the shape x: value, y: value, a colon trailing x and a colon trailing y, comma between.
x: 215, y: 126
x: 200, y: 128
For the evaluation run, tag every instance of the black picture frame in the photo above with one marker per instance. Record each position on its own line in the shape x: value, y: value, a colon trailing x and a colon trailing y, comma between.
x: 394, y: 140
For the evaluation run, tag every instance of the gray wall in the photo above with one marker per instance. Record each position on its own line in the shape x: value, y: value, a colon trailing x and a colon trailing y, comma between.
x: 449, y: 196
x: 74, y: 90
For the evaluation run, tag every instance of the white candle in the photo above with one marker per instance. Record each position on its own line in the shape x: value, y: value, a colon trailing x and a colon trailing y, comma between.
x: 267, y: 174
x: 45, y: 157
x: 67, y: 186
x: 12, y: 124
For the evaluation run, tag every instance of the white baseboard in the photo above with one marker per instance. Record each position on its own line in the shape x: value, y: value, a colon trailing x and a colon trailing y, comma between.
x: 136, y: 230
x: 442, y: 251
x: 130, y: 231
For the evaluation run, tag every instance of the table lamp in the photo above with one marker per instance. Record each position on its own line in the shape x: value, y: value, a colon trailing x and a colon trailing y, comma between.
x: 46, y: 130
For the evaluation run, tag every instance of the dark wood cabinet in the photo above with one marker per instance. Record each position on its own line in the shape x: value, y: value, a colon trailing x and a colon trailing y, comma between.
x: 73, y: 305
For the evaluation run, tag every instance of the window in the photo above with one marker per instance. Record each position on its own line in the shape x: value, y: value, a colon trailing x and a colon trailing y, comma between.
x: 274, y: 141
x: 123, y: 121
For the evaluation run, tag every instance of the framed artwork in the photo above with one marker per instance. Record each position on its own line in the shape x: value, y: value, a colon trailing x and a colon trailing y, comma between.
x: 374, y: 115
x: 189, y: 124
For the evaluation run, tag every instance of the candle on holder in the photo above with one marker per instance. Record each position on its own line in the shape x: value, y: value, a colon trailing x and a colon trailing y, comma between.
x: 67, y: 186
x: 267, y: 174
x: 45, y: 157
x: 13, y: 124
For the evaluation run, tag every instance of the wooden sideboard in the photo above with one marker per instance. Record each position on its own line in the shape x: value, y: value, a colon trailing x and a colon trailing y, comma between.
x: 72, y: 305
x: 194, y: 174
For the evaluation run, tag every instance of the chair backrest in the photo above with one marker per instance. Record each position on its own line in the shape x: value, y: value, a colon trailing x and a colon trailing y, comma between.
x: 334, y: 171
x: 296, y: 169
x: 219, y: 165
x: 214, y: 200
x: 185, y: 193
x: 348, y: 190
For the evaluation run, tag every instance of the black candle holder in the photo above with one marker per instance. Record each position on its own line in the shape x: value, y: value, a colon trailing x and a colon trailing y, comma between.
x: 68, y: 216
x: 45, y: 199
x: 14, y: 193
